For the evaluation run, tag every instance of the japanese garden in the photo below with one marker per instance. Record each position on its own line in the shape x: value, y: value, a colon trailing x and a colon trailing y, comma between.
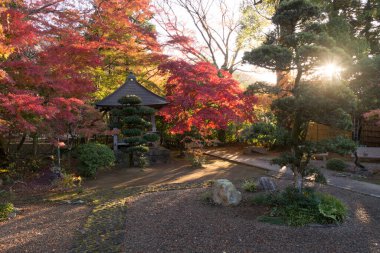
x: 189, y: 126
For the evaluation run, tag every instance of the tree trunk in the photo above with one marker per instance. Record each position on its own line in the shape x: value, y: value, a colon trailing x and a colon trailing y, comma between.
x: 222, y: 135
x: 131, y: 162
x: 21, y: 143
x: 35, y: 144
x: 3, y: 148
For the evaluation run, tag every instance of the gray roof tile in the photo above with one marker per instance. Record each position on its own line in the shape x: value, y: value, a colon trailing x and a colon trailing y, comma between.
x: 132, y: 87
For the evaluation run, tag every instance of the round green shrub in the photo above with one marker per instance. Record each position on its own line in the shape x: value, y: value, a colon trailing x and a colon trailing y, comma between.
x: 144, y: 110
x: 130, y: 100
x: 128, y: 111
x: 132, y: 132
x: 135, y: 140
x: 336, y: 164
x: 134, y: 120
x: 5, y: 210
x: 265, y: 134
x: 94, y: 156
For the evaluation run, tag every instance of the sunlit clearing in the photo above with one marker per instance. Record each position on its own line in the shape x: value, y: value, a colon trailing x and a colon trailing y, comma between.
x: 268, y: 77
x: 362, y: 215
x: 330, y: 71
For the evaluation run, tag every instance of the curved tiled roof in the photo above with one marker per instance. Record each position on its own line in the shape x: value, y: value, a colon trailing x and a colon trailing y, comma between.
x: 132, y: 87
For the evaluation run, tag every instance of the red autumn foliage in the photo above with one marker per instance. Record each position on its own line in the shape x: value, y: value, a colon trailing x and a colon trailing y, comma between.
x: 127, y: 39
x: 204, y: 98
x: 48, y: 53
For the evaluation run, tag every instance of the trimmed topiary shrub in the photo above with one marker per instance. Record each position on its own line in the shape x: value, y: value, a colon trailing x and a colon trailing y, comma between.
x: 94, y: 156
x: 5, y: 210
x: 336, y: 164
x: 131, y: 119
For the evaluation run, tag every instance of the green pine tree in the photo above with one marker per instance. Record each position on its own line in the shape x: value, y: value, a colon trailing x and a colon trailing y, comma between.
x: 299, y: 45
x: 131, y: 120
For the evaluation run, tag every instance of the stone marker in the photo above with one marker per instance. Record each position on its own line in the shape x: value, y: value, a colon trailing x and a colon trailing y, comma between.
x: 225, y: 193
x: 266, y: 184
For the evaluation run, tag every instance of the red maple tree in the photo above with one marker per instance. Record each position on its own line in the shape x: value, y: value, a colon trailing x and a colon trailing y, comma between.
x: 203, y: 98
x: 44, y: 65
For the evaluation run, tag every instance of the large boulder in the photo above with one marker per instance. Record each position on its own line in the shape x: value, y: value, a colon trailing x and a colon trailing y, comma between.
x: 225, y: 193
x: 266, y: 184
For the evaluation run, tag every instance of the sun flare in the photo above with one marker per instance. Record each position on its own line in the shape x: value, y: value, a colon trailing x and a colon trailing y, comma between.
x: 330, y: 70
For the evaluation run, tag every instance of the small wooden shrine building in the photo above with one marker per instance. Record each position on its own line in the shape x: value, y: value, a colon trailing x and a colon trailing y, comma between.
x: 132, y: 87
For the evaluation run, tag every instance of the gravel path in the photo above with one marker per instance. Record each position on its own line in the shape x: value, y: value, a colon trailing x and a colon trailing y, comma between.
x: 42, y: 228
x: 177, y: 221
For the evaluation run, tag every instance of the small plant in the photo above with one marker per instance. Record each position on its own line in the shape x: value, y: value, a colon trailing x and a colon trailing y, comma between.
x: 336, y: 164
x: 301, y: 208
x: 196, y: 158
x: 5, y: 210
x: 94, y: 156
x: 206, y: 197
x: 194, y: 150
x: 332, y: 208
x: 208, y: 183
x: 142, y: 161
x: 314, y: 172
x: 68, y: 181
x: 249, y: 185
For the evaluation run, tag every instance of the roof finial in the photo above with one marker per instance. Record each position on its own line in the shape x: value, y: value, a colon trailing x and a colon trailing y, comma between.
x: 131, y: 76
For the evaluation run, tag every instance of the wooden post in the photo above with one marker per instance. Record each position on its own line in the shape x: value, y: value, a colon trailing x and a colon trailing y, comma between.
x: 115, y: 140
x: 59, y: 155
x: 153, y: 121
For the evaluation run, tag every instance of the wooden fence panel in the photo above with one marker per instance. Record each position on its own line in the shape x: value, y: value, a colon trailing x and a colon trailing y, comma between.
x: 318, y: 132
x: 370, y: 134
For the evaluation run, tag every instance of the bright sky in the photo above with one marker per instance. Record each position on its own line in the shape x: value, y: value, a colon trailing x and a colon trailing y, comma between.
x: 250, y: 73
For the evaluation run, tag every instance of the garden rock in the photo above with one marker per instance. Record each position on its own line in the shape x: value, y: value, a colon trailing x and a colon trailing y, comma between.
x: 78, y: 202
x: 12, y: 215
x: 266, y: 184
x: 225, y: 193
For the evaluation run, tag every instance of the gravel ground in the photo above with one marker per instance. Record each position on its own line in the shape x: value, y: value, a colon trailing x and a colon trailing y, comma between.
x: 42, y: 228
x: 177, y: 221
